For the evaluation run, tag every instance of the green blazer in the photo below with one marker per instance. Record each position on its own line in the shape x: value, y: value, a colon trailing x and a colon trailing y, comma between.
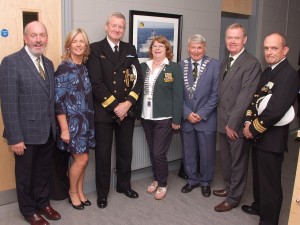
x: 168, y: 92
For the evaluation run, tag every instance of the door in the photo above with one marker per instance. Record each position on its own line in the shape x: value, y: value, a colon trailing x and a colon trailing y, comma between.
x: 12, y: 20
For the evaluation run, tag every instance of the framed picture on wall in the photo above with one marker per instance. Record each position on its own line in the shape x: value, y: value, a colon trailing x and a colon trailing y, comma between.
x: 143, y: 26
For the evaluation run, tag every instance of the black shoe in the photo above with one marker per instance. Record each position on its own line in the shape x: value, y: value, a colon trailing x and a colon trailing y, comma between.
x: 189, y: 187
x: 78, y: 207
x: 182, y: 175
x: 249, y: 210
x: 86, y: 203
x: 206, y: 192
x: 102, y: 202
x: 129, y: 193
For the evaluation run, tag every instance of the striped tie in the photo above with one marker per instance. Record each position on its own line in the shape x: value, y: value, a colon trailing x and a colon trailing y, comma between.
x: 42, y: 72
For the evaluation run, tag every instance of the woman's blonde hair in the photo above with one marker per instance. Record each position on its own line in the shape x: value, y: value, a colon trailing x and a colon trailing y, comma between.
x: 69, y: 39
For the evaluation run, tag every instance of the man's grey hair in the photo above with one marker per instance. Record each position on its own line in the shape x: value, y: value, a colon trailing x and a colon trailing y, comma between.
x: 115, y: 14
x: 197, y: 38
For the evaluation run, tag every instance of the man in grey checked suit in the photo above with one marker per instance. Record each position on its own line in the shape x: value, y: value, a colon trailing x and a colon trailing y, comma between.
x: 239, y: 77
x: 27, y: 104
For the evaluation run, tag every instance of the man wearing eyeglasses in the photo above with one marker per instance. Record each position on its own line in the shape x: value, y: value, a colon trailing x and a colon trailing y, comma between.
x: 27, y: 104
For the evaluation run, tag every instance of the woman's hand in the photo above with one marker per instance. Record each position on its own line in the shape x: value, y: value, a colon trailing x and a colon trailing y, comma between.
x: 65, y: 136
x: 175, y: 126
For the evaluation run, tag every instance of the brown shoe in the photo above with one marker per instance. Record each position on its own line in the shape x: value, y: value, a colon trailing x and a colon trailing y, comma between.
x: 36, y: 219
x: 220, y: 193
x: 224, y: 207
x: 49, y: 213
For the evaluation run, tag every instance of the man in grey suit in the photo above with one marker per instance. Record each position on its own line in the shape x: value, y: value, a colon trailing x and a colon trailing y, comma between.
x: 199, y: 124
x: 27, y: 103
x: 239, y: 77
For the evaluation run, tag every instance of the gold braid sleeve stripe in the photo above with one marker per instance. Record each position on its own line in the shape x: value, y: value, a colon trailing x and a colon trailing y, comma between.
x: 134, y: 95
x: 108, y: 101
x: 258, y: 126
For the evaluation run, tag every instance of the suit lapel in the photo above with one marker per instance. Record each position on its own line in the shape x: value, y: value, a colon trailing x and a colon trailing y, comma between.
x: 231, y: 73
x: 35, y: 73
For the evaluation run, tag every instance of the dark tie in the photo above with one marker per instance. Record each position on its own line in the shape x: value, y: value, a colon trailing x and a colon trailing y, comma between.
x: 228, y: 65
x: 116, y: 51
x: 195, y: 71
x: 42, y: 72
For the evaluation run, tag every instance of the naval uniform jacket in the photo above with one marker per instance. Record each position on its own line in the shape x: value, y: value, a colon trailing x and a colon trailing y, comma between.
x: 168, y: 92
x: 108, y: 77
x: 283, y: 83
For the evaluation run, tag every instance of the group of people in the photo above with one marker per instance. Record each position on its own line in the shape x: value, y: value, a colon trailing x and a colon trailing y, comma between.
x: 99, y: 90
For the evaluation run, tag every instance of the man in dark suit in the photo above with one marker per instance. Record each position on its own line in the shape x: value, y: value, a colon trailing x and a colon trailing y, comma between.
x: 27, y: 103
x: 199, y: 124
x: 238, y: 80
x: 269, y: 128
x: 116, y: 80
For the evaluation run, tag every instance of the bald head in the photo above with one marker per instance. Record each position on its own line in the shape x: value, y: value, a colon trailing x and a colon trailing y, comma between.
x: 275, y: 48
x: 36, y: 37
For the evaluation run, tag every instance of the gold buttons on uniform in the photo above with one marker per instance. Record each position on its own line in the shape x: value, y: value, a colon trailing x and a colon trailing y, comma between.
x: 114, y: 82
x: 123, y: 71
x: 105, y: 98
x: 115, y: 72
x: 125, y: 89
x: 115, y: 91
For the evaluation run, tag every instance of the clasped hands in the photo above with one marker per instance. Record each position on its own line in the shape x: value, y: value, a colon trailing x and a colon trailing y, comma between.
x: 194, y: 118
x: 122, y: 109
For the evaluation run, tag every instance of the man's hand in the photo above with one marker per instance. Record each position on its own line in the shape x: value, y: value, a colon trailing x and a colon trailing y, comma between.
x: 232, y: 134
x: 246, y: 131
x: 194, y: 118
x: 18, y: 149
x: 122, y: 109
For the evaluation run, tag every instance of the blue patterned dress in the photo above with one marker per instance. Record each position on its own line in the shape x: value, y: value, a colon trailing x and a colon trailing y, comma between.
x: 73, y: 97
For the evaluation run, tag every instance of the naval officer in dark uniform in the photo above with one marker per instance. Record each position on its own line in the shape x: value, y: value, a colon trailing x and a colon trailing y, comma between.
x: 115, y: 75
x: 268, y: 128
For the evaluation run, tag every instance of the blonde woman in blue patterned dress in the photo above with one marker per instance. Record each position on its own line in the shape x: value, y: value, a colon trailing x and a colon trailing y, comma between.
x: 74, y: 109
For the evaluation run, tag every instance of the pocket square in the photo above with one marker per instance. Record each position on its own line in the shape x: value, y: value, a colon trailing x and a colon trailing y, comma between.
x: 129, y: 56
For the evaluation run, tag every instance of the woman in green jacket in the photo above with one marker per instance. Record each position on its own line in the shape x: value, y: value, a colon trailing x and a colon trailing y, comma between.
x: 162, y: 104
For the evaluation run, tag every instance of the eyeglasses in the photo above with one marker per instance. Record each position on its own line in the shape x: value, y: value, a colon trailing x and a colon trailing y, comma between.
x: 158, y: 46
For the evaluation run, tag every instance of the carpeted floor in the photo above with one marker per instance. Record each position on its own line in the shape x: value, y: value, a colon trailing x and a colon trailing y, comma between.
x: 176, y: 209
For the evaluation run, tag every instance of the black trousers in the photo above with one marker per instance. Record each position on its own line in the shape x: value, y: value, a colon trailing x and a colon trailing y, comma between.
x: 60, y: 185
x: 267, y: 190
x: 104, y: 138
x: 159, y: 136
x: 33, y: 172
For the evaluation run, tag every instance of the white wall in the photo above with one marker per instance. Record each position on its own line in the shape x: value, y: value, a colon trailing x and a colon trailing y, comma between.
x: 199, y: 16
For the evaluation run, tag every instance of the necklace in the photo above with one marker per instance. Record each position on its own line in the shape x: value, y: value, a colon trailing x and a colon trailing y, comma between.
x: 191, y: 89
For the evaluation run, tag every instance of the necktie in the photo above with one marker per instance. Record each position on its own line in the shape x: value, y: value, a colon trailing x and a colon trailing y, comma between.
x: 195, y: 71
x: 42, y: 72
x: 116, y: 51
x: 228, y: 65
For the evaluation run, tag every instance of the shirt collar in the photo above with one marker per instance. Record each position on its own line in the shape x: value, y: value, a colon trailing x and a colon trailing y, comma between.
x: 33, y: 57
x: 112, y: 45
x: 273, y: 66
x: 149, y: 62
x: 237, y: 55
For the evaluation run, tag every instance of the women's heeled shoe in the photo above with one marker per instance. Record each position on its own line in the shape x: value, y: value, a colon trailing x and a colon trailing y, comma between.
x: 78, y: 207
x: 86, y: 203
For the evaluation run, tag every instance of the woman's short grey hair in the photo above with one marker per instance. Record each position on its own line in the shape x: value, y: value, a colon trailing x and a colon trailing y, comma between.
x: 197, y: 38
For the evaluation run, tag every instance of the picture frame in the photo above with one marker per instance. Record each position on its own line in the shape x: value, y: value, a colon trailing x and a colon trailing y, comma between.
x: 143, y: 26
